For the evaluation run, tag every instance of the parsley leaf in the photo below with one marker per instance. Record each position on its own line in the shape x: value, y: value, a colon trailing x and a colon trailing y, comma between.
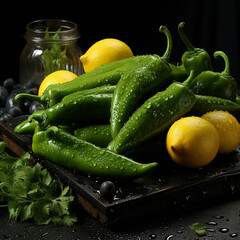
x: 31, y: 192
x: 199, y: 228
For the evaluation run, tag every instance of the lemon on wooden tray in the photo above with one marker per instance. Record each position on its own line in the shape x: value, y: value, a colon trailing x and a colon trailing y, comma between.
x: 192, y: 142
x: 105, y: 51
x: 60, y: 76
x: 227, y: 127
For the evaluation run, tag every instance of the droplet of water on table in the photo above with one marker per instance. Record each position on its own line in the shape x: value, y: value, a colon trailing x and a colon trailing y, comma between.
x: 223, y: 230
x: 210, y: 230
x: 212, y: 223
x: 218, y: 217
x: 152, y: 236
x: 168, y: 237
x: 233, y: 235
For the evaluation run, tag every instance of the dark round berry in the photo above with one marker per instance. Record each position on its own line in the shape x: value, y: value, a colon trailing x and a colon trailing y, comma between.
x: 15, y: 111
x: 3, y: 95
x: 108, y: 190
x: 8, y: 84
x: 35, y: 106
x: 5, y: 117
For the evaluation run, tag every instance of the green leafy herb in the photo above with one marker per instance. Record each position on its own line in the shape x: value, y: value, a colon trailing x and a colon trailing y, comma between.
x: 199, y: 228
x: 31, y: 192
x: 53, y: 58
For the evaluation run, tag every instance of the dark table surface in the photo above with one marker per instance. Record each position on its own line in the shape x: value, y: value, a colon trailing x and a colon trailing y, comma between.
x: 220, y: 216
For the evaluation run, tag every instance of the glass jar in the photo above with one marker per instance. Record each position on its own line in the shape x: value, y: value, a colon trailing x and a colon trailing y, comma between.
x: 51, y: 45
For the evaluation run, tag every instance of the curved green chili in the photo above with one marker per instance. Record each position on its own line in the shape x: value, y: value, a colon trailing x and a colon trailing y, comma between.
x: 154, y: 116
x: 69, y: 151
x: 79, y: 110
x: 151, y: 73
x: 196, y: 59
x: 99, y: 135
x: 106, y: 74
x: 216, y: 84
x: 208, y: 103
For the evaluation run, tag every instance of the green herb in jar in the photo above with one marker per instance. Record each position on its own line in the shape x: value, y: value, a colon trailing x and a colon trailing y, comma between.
x: 53, y: 58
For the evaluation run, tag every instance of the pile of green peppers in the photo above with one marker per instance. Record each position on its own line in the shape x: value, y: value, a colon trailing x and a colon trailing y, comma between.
x: 90, y: 123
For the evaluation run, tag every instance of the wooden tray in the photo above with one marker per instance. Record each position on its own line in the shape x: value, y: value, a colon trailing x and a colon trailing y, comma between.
x: 169, y: 188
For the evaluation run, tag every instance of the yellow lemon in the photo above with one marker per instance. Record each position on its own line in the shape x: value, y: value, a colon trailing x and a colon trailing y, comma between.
x: 60, y: 76
x: 227, y: 127
x: 192, y: 142
x: 105, y: 51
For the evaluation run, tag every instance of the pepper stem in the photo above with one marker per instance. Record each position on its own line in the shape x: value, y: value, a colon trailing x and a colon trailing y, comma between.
x: 225, y: 58
x: 190, y: 78
x: 168, y: 51
x: 31, y: 97
x: 186, y: 41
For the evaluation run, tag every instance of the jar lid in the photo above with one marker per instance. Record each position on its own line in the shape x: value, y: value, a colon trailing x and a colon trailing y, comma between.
x: 67, y: 30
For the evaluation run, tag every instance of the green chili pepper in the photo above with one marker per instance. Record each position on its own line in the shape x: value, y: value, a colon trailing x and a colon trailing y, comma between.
x: 216, y: 84
x: 207, y: 103
x: 152, y: 72
x: 106, y: 74
x: 26, y: 127
x: 66, y: 150
x: 76, y: 110
x: 196, y: 59
x: 99, y: 135
x: 68, y: 111
x: 238, y: 99
x: 96, y: 90
x: 154, y: 116
x: 178, y: 73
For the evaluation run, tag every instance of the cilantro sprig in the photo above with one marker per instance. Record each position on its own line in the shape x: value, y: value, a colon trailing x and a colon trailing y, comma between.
x: 53, y: 58
x: 199, y: 228
x: 31, y: 192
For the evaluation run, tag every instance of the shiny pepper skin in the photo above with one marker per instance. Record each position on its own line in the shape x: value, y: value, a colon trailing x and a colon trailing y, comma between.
x: 152, y: 72
x: 107, y: 74
x: 69, y: 151
x: 196, y: 59
x: 216, y: 84
x: 154, y: 116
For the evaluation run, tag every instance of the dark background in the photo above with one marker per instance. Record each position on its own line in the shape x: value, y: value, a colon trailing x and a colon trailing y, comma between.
x: 210, y: 24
